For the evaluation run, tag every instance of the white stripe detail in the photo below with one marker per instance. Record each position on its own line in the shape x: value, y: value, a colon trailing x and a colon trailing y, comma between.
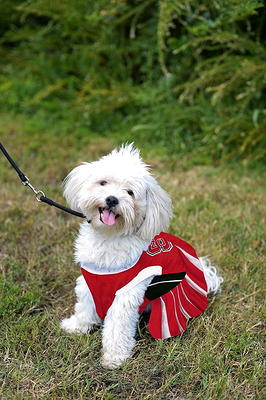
x: 165, y: 327
x: 94, y: 269
x: 183, y: 311
x: 158, y: 283
x: 195, y: 261
x: 143, y: 274
x: 177, y: 320
x: 195, y: 286
x: 186, y: 296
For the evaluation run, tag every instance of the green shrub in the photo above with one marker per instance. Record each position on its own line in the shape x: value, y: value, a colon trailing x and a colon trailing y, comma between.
x: 190, y: 75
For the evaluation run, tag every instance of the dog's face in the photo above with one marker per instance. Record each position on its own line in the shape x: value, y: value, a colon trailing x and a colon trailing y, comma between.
x: 113, y: 204
x: 118, y: 195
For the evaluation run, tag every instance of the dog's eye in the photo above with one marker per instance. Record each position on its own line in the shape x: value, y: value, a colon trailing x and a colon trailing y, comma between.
x: 130, y: 192
x: 102, y: 183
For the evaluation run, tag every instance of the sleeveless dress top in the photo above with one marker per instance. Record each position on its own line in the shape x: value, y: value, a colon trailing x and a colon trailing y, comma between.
x: 167, y: 255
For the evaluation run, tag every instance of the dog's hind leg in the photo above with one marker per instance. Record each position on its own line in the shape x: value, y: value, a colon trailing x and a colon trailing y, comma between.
x: 85, y: 315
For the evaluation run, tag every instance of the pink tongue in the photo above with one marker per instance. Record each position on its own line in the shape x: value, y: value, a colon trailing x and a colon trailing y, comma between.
x: 108, y: 217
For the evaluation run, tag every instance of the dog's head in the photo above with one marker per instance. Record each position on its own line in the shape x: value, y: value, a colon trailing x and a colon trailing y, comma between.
x: 118, y: 195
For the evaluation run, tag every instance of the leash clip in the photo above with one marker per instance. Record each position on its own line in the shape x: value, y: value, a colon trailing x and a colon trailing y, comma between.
x: 38, y: 193
x: 40, y: 196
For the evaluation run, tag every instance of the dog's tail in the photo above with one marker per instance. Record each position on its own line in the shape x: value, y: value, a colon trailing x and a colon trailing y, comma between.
x: 213, y: 279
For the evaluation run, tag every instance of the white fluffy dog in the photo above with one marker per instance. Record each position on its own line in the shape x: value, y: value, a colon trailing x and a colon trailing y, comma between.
x: 125, y: 209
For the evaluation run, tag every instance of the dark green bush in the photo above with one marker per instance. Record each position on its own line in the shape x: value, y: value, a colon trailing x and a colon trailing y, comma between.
x: 190, y: 75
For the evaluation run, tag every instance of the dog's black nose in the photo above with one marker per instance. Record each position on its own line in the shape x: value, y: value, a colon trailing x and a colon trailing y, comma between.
x: 111, y: 201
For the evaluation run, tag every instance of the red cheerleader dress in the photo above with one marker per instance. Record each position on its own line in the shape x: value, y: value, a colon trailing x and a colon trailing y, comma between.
x: 167, y: 255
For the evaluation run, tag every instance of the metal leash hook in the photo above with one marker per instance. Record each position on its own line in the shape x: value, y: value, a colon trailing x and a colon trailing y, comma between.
x: 38, y: 193
x: 40, y: 196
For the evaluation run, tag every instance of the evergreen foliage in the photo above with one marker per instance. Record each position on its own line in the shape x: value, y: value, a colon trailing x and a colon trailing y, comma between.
x: 189, y: 74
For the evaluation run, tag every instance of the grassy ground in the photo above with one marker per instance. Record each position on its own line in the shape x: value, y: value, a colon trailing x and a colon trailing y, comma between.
x: 219, y: 210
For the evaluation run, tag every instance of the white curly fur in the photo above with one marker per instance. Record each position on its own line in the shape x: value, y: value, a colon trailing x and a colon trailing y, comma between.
x: 114, y: 248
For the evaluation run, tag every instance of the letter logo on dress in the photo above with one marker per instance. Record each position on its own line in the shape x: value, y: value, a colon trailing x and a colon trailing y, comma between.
x: 159, y: 245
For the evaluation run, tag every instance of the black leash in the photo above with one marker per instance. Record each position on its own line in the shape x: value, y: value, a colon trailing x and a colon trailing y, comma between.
x: 40, y: 196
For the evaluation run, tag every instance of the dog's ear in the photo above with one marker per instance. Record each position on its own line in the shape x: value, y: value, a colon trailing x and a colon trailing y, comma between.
x: 158, y: 210
x: 73, y: 184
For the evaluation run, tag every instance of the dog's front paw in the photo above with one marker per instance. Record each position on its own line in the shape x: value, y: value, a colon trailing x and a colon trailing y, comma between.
x: 112, y: 361
x: 74, y: 325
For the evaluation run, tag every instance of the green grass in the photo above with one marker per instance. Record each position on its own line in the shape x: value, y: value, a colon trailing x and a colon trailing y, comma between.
x: 219, y: 210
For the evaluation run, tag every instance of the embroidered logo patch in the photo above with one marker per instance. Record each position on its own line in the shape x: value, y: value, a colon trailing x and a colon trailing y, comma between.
x: 159, y: 245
